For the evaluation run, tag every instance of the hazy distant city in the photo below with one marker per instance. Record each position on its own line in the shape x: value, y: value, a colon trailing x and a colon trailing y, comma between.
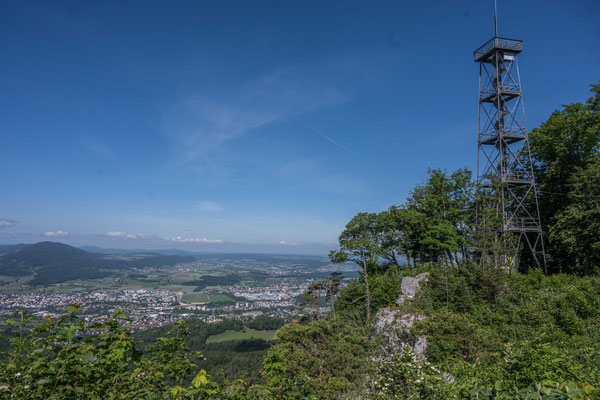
x: 211, y: 288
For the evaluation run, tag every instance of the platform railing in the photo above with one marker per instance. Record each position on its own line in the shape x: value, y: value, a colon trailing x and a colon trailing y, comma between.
x: 507, y: 88
x: 506, y: 131
x: 516, y: 176
x: 498, y: 43
x: 521, y: 224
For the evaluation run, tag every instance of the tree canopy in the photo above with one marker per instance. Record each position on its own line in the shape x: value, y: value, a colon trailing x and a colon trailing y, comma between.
x: 561, y: 148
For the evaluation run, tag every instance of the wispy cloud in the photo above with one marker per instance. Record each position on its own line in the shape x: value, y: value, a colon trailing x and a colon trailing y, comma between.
x: 203, y: 122
x: 210, y: 206
x: 119, y: 234
x: 284, y: 243
x: 56, y: 234
x: 176, y: 239
x: 179, y: 239
x: 7, y: 223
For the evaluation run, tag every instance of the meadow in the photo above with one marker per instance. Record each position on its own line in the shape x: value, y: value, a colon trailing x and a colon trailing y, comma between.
x: 244, y: 334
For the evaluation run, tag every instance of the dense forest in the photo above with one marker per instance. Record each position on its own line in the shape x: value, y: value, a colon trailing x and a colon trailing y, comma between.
x: 225, y: 360
x: 492, y: 331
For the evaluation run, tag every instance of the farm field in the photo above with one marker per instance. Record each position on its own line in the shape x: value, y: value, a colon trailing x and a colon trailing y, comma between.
x: 205, y: 298
x: 241, y: 335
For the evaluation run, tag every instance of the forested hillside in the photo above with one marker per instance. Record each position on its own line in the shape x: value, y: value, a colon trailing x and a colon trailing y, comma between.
x: 51, y: 262
x: 223, y: 359
x: 474, y: 328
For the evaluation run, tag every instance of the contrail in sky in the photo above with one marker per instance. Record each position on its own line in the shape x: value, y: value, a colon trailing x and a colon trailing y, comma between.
x: 341, y: 146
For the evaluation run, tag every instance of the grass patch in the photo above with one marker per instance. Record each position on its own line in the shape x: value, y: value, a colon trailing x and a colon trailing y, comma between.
x: 205, y: 298
x: 241, y: 335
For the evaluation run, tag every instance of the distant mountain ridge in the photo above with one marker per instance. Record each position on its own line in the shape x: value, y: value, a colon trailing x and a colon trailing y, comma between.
x: 54, y: 262
x: 170, y: 252
x: 11, y: 248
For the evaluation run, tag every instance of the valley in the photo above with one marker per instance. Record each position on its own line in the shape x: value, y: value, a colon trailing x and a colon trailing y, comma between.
x: 208, y: 287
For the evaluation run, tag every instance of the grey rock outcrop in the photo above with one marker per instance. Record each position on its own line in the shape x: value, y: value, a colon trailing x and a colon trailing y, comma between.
x: 410, y: 287
x: 393, y: 325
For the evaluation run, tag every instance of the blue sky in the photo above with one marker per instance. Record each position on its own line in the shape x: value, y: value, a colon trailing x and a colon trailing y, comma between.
x: 252, y: 126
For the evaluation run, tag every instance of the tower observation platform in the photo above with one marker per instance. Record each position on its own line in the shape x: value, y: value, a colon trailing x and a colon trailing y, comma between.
x: 483, y: 53
x: 504, y: 166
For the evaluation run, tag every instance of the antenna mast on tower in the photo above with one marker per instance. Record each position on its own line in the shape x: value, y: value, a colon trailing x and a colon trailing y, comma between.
x: 495, y: 19
x: 504, y: 166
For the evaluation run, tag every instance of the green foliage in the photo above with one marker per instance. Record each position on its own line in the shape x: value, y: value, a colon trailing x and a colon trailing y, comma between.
x: 311, y: 299
x: 326, y: 358
x: 491, y: 249
x: 237, y: 357
x: 266, y: 323
x: 435, y: 225
x: 173, y: 355
x: 526, y: 328
x: 67, y: 358
x: 361, y: 242
x: 577, y: 226
x: 445, y: 204
x: 385, y: 290
x: 562, y: 148
x: 547, y: 390
x: 489, y: 329
x: 407, y: 377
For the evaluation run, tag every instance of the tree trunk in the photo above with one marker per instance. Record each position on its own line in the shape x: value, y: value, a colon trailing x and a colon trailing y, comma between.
x: 453, y: 260
x: 317, y: 307
x: 367, y: 294
x: 394, y: 257
x: 447, y: 288
x: 586, y: 265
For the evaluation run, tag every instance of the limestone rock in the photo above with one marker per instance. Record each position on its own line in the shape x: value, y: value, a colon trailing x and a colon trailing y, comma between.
x: 410, y: 287
x: 419, y: 347
x: 393, y: 326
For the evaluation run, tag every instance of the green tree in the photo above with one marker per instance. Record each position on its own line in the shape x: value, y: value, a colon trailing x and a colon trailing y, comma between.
x: 173, y: 355
x: 406, y: 376
x: 322, y: 360
x: 67, y: 358
x: 563, y: 145
x: 445, y: 202
x: 577, y: 226
x: 311, y: 299
x: 491, y: 248
x: 332, y: 289
x: 360, y: 242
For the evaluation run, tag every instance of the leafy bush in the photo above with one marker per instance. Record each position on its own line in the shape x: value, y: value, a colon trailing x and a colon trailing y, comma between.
x: 407, y: 377
x: 533, y: 329
x: 70, y: 359
x: 327, y: 358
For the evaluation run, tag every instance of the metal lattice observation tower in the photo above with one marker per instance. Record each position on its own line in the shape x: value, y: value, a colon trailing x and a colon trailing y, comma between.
x: 504, y: 159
